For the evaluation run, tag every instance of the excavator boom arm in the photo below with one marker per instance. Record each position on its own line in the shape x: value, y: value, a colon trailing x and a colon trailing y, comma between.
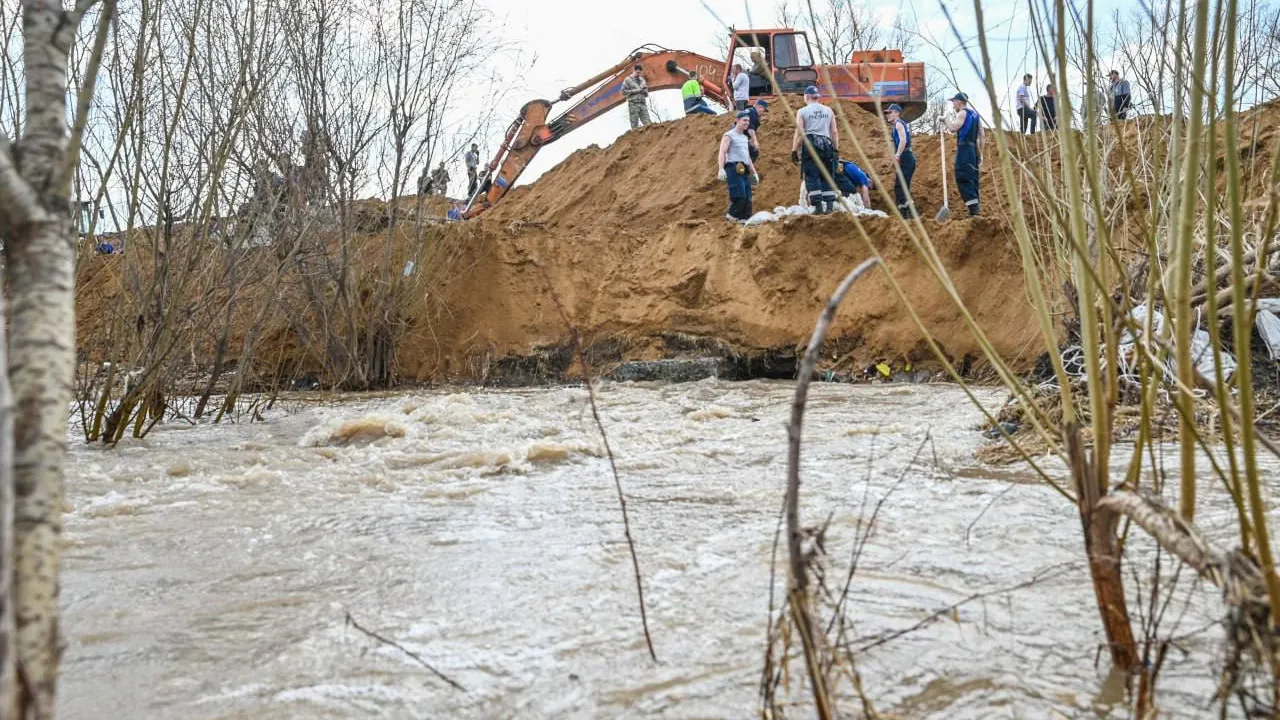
x: 662, y: 69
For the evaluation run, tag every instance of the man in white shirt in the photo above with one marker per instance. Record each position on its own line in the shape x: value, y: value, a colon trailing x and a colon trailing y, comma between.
x: 1026, y: 107
x: 741, y: 88
x: 736, y: 168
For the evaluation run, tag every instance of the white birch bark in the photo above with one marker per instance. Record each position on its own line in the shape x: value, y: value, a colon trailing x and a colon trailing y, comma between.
x: 39, y: 245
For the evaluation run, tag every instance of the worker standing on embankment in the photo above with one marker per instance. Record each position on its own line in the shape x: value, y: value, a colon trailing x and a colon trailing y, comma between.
x: 1026, y: 108
x: 472, y: 159
x: 1121, y: 102
x: 1049, y: 106
x: 816, y: 127
x: 967, y: 126
x: 691, y: 91
x: 741, y: 88
x: 904, y: 158
x: 736, y: 168
x: 636, y: 91
x: 755, y: 111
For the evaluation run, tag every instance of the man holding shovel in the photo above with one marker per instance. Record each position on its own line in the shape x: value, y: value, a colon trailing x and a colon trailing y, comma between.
x: 967, y: 126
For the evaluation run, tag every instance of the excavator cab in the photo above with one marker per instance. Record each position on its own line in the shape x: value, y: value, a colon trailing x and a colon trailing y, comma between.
x: 871, y: 78
x: 782, y: 55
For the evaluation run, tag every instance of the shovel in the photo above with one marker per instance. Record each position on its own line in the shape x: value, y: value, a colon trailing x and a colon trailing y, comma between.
x: 946, y: 196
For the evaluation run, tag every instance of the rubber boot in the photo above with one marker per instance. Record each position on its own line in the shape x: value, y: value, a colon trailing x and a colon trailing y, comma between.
x: 973, y: 210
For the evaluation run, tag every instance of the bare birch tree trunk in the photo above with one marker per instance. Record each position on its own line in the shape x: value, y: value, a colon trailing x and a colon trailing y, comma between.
x: 39, y: 245
x: 8, y: 656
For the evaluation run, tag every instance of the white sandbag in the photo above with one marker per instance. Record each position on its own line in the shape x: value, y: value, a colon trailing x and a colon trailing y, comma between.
x: 1269, y: 328
x: 1139, y: 315
x: 760, y: 218
x: 1202, y: 356
x: 1201, y: 346
x: 853, y: 205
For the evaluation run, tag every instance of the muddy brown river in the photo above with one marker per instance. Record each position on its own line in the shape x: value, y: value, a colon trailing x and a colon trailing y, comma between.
x: 209, y: 570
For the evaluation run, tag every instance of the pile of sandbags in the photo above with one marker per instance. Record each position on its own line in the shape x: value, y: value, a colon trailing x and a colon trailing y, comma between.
x: 850, y: 205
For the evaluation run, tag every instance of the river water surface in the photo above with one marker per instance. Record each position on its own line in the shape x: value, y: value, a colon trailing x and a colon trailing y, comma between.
x: 210, y: 570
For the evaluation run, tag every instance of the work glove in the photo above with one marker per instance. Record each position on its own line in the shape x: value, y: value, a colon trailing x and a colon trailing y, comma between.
x: 755, y: 179
x: 795, y: 157
x: 722, y: 176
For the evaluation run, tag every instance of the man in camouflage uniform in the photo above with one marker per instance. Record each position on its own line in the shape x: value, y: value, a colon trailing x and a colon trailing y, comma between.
x: 636, y: 91
x: 440, y: 180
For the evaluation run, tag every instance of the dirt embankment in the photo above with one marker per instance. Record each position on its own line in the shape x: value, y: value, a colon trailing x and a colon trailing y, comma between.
x: 631, y: 239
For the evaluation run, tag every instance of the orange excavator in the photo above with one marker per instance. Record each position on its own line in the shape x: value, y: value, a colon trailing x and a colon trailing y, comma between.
x: 779, y: 62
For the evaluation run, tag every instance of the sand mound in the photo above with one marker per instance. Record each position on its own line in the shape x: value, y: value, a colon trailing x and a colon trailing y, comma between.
x: 658, y: 175
x: 666, y: 173
x: 631, y: 238
x: 707, y: 287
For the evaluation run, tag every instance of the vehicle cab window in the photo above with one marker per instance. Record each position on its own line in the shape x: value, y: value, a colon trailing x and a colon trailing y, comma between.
x: 755, y: 60
x: 791, y: 50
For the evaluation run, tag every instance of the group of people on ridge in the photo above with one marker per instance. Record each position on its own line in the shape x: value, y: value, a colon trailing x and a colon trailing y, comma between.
x: 815, y: 148
x: 436, y: 182
x: 1119, y: 103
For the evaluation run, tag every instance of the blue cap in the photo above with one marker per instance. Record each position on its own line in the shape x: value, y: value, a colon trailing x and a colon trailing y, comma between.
x: 961, y: 97
x: 743, y: 114
x: 812, y: 90
x: 763, y: 103
x: 895, y: 107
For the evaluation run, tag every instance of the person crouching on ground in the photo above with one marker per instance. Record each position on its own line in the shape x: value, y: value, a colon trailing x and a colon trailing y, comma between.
x: 853, y: 181
x: 815, y: 148
x: 736, y: 168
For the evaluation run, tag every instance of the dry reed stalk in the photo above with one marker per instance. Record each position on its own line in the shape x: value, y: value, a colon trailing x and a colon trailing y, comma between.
x: 800, y: 599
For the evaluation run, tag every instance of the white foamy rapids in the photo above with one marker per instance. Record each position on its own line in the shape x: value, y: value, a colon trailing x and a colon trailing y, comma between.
x: 209, y: 569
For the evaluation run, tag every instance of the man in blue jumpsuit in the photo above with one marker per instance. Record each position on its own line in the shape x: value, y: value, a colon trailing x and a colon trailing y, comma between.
x: 815, y: 148
x: 967, y: 126
x: 903, y: 158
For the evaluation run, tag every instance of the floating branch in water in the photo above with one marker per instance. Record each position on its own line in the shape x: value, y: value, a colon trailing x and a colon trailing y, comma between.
x: 799, y: 594
x: 387, y: 641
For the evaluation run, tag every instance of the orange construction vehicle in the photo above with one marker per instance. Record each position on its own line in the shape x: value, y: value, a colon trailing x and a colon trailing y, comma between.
x: 779, y: 62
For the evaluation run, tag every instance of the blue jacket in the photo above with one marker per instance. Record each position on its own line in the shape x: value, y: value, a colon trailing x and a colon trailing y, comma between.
x: 971, y: 127
x: 854, y: 173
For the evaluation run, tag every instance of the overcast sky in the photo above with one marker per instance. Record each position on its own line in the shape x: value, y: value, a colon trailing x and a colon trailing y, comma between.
x: 575, y: 39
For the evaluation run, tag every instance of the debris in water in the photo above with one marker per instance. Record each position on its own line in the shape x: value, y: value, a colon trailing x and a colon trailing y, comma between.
x: 358, y: 432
